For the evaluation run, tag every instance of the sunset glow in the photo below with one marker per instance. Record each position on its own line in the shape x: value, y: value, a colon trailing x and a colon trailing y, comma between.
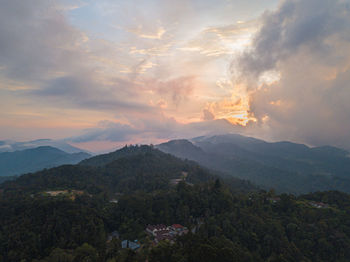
x: 157, y: 70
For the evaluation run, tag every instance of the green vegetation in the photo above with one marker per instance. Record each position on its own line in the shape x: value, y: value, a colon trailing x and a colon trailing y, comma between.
x: 287, y: 167
x: 228, y: 220
x: 142, y: 168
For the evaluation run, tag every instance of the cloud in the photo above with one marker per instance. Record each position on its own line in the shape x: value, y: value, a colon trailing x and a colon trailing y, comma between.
x: 177, y: 89
x: 154, y: 50
x: 218, y: 41
x: 83, y: 91
x: 5, y: 148
x: 159, y: 128
x: 234, y: 30
x: 107, y: 131
x: 36, y: 41
x: 58, y: 65
x: 307, y: 43
x: 62, y: 72
x: 140, y: 31
x: 207, y: 115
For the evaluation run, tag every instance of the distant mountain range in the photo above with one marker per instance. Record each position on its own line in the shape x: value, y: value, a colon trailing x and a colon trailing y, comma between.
x: 35, y: 159
x: 284, y: 166
x: 11, y: 146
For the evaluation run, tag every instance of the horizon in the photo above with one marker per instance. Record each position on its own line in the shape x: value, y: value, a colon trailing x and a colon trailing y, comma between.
x: 100, y: 75
x: 93, y: 150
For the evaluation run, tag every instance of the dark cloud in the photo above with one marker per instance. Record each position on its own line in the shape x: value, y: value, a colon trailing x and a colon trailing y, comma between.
x: 207, y: 115
x: 107, y: 131
x: 60, y: 67
x: 294, y: 26
x: 39, y: 48
x: 36, y: 40
x: 307, y: 43
x: 176, y: 90
x: 85, y: 92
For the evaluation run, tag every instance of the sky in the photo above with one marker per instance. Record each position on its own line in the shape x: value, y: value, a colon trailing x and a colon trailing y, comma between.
x: 101, y: 74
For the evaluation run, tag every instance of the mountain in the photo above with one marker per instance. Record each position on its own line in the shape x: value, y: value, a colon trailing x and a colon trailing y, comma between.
x: 285, y: 155
x: 31, y: 160
x: 11, y: 146
x: 284, y: 166
x: 104, y: 159
x: 85, y: 212
x: 128, y: 169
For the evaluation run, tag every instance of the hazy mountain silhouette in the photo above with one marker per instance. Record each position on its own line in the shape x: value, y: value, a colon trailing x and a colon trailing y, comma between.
x: 285, y: 166
x: 31, y: 160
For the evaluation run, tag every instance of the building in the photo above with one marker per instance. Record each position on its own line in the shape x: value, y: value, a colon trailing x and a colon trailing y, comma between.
x: 318, y: 204
x: 179, y: 229
x: 153, y: 229
x: 133, y: 245
x: 167, y: 233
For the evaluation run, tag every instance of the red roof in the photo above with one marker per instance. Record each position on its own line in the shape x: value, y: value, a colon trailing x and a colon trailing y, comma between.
x: 177, y: 226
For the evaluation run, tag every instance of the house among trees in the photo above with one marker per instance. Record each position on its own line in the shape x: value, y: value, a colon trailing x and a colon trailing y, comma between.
x: 318, y: 204
x: 168, y: 233
x: 179, y: 229
x: 153, y: 229
x: 133, y: 245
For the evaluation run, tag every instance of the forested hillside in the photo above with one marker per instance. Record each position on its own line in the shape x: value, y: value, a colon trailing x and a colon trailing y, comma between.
x: 68, y: 214
x: 287, y: 167
x: 128, y: 169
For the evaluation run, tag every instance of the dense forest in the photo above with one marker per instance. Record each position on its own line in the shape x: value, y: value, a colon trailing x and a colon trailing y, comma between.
x: 126, y: 170
x: 67, y: 214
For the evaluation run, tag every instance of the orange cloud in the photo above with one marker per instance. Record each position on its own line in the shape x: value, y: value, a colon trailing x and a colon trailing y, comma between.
x: 141, y: 32
x: 235, y: 110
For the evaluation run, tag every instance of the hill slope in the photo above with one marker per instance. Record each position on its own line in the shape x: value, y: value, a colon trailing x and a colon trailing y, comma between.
x: 286, y: 155
x: 39, y: 225
x: 126, y: 170
x: 31, y: 160
x: 285, y: 166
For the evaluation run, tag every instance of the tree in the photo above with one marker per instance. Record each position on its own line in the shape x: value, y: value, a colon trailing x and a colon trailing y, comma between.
x: 85, y: 253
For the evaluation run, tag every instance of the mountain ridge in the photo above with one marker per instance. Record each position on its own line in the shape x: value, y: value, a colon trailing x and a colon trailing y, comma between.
x: 127, y: 169
x: 35, y: 159
x: 285, y: 166
x: 11, y: 146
